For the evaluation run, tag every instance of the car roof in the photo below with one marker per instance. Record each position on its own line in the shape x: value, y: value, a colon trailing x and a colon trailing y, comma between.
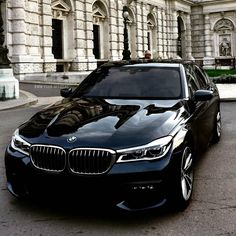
x: 172, y: 65
x: 147, y: 63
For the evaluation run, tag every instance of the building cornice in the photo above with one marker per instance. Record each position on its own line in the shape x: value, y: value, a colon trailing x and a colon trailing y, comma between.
x: 211, y: 2
x: 218, y: 6
x: 189, y: 2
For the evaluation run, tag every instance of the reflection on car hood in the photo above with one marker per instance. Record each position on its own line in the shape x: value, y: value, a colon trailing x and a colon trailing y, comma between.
x: 105, y: 123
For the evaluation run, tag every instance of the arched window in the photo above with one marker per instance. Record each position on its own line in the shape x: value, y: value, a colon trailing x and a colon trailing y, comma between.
x: 223, y: 31
x: 132, y: 34
x: 100, y: 31
x: 181, y: 38
x: 151, y: 34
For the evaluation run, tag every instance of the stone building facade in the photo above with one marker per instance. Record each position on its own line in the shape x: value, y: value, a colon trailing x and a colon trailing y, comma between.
x: 73, y: 36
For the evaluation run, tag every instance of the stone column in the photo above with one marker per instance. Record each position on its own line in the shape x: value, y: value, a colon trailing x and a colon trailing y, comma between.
x: 168, y: 34
x: 164, y: 33
x: 33, y: 35
x: 89, y: 30
x: 174, y: 29
x: 80, y: 62
x: 208, y: 42
x: 208, y: 60
x: 140, y: 30
x: 159, y: 33
x: 188, y: 40
x: 80, y: 30
x: 114, y: 34
x: 49, y: 63
x: 169, y: 31
x: 120, y: 28
x: 34, y: 63
x: 198, y: 33
x: 18, y: 31
x: 84, y: 59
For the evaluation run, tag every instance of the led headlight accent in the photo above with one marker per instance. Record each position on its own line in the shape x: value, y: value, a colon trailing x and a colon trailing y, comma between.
x: 154, y: 150
x: 19, y: 144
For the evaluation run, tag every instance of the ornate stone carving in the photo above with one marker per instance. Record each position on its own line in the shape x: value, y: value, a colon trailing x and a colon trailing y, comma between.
x: 224, y: 28
x: 224, y: 24
x: 98, y: 13
x: 150, y: 24
x: 60, y: 8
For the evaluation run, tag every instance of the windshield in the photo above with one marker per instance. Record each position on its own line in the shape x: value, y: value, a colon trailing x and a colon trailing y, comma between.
x: 133, y: 82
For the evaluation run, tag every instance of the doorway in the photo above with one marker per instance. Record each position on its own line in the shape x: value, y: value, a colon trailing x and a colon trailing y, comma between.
x: 57, y: 40
x: 96, y: 41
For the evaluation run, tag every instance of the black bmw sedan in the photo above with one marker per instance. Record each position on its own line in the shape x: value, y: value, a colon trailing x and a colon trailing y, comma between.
x: 130, y: 132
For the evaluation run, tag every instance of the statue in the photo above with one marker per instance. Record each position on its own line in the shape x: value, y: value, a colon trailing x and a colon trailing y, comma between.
x: 4, y: 61
x: 225, y: 47
x: 9, y: 85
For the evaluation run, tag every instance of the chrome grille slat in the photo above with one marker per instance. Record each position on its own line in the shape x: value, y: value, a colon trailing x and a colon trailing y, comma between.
x: 49, y: 158
x: 90, y: 161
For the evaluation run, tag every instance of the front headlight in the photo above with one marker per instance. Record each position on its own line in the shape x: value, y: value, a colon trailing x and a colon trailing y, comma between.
x: 20, y: 144
x: 154, y: 150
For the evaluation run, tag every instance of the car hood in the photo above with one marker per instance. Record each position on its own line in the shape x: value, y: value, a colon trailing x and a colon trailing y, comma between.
x: 104, y: 123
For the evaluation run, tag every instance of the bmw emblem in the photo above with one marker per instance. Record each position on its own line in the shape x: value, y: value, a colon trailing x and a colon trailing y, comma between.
x: 71, y: 139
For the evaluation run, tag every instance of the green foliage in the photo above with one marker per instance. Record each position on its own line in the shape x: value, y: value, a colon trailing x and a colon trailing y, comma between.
x: 222, y: 76
x: 224, y: 79
x: 216, y: 73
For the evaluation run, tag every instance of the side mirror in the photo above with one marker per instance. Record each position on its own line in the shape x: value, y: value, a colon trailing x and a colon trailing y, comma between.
x: 66, y: 92
x: 203, y: 95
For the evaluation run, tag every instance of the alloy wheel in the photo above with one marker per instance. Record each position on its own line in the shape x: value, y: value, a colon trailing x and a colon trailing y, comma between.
x: 187, y: 173
x: 218, y: 124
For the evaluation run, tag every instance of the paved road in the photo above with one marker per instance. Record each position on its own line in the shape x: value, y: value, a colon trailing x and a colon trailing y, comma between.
x: 211, y: 212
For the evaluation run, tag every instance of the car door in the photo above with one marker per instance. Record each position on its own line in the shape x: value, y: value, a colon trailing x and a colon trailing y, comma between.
x: 202, y: 112
x: 212, y: 105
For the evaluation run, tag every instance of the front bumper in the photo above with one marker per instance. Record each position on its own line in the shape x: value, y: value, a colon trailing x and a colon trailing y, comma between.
x: 131, y: 186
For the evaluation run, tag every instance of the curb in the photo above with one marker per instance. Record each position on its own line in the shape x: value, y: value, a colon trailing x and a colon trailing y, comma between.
x: 49, y: 83
x: 228, y: 99
x: 30, y: 99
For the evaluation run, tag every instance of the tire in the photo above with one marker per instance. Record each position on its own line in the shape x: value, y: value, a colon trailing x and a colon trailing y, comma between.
x: 182, y: 181
x: 217, y: 128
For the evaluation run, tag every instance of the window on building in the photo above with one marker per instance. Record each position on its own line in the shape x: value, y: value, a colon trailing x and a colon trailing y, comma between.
x: 96, y: 41
x: 151, y: 34
x: 100, y: 31
x: 62, y: 26
x: 180, y: 42
x: 149, y: 40
x: 57, y: 48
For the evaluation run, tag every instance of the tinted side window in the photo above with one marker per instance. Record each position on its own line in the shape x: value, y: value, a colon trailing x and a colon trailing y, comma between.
x: 201, y: 77
x: 205, y: 75
x: 193, y: 84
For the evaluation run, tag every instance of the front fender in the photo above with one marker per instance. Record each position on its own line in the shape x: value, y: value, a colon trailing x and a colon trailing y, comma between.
x: 180, y: 138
